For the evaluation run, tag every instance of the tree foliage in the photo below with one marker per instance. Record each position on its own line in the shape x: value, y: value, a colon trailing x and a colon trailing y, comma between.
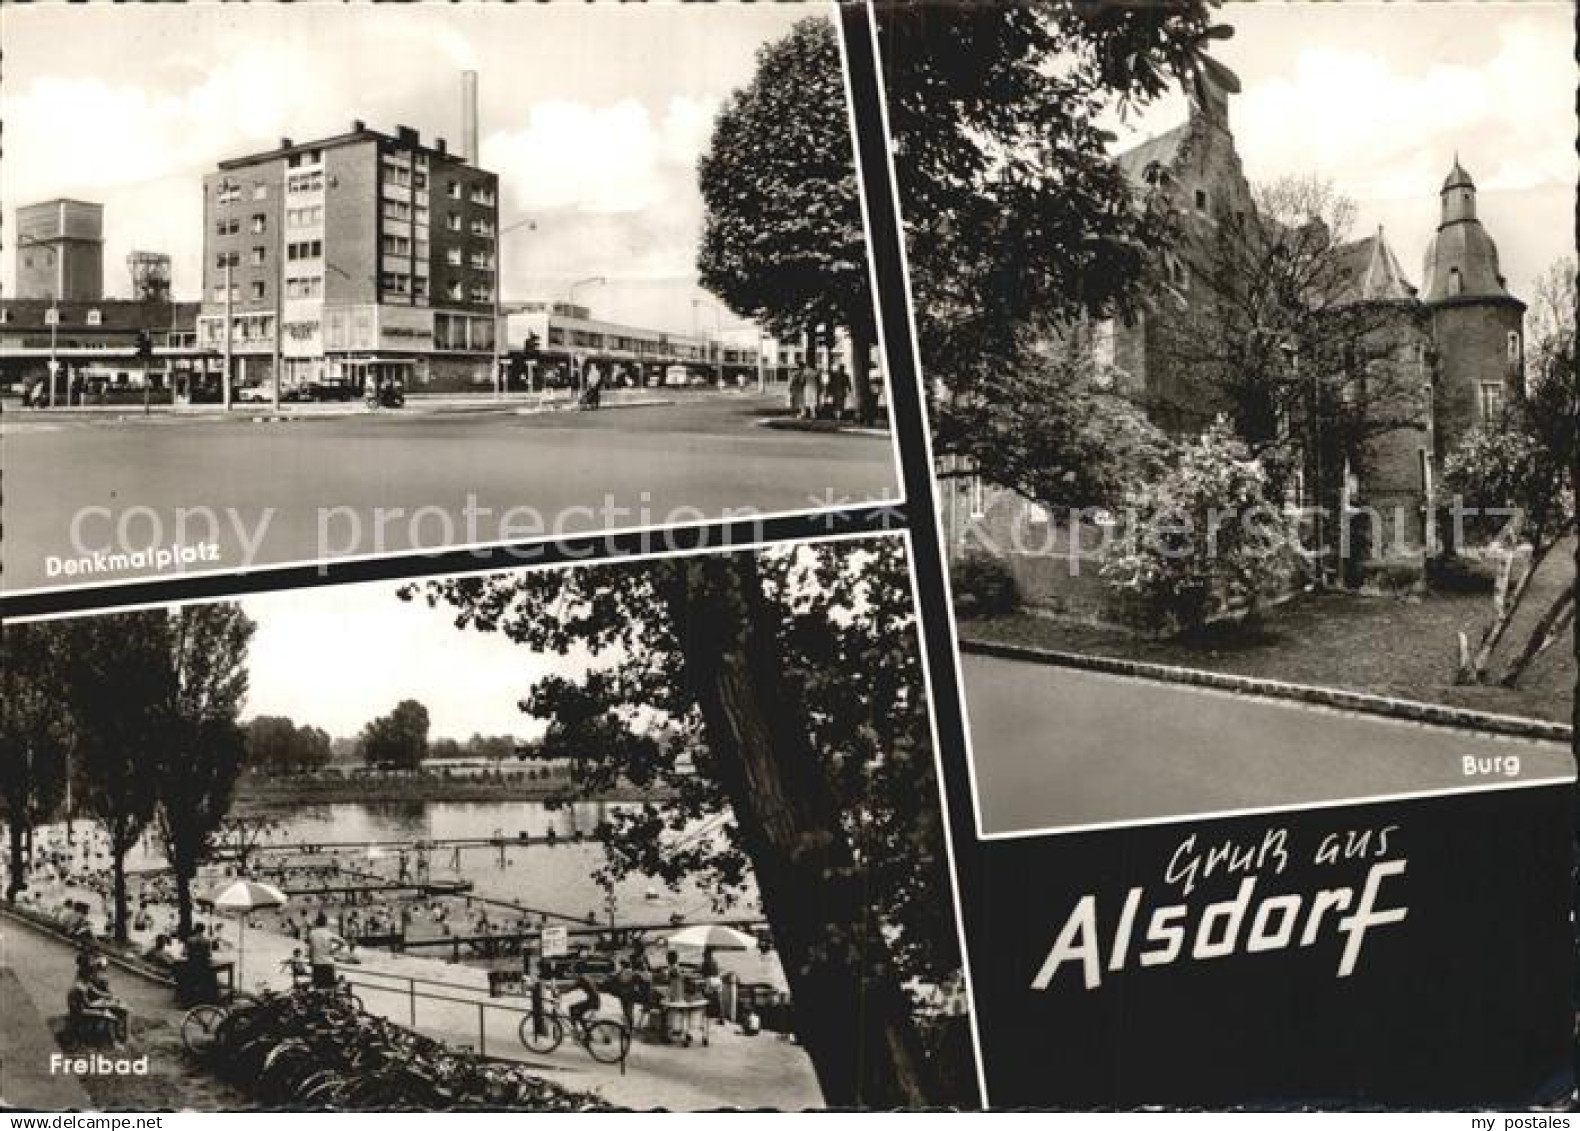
x: 277, y: 745
x: 779, y: 697
x: 119, y: 672
x: 1017, y: 220
x: 204, y: 747
x: 36, y: 735
x: 1200, y: 538
x: 398, y: 740
x: 783, y: 240
x: 1278, y: 336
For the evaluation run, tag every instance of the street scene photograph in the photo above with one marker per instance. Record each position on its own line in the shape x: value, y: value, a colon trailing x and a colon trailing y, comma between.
x: 657, y: 833
x: 326, y: 282
x: 1248, y: 337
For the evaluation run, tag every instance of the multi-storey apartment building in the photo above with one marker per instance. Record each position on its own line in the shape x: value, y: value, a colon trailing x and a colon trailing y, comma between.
x: 352, y: 258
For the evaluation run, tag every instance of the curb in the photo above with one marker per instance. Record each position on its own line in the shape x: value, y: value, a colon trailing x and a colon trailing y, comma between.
x: 778, y: 424
x: 120, y: 963
x: 572, y: 406
x: 1409, y: 710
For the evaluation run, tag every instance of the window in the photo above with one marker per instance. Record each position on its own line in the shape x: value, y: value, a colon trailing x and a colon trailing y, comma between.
x: 1514, y: 346
x: 452, y: 256
x: 1201, y: 200
x: 305, y: 182
x: 1491, y: 400
x: 305, y: 249
x: 1456, y: 284
x: 397, y: 245
x: 452, y: 221
x: 481, y: 227
x: 257, y: 290
x: 452, y: 189
x: 482, y: 260
x: 397, y: 210
x: 227, y: 226
x: 481, y: 194
x: 95, y: 318
x: 395, y: 283
x: 257, y: 256
x: 260, y: 192
x: 419, y: 180
x: 227, y: 192
x: 260, y: 223
x: 481, y: 292
x: 305, y: 288
x: 227, y: 259
x: 419, y: 288
x: 454, y: 291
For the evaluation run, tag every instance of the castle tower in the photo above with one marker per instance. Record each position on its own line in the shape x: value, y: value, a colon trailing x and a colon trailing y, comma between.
x: 1477, y: 325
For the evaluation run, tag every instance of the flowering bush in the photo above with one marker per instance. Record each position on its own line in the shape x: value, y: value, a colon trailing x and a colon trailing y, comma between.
x: 1199, y: 538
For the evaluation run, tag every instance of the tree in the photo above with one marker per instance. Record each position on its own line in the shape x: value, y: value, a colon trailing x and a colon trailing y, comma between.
x: 1279, y: 336
x: 783, y: 240
x: 205, y: 747
x: 1052, y: 431
x: 797, y: 752
x: 1200, y: 538
x: 36, y: 734
x: 276, y: 745
x: 398, y: 740
x: 1526, y: 464
x: 118, y: 674
x: 1018, y: 223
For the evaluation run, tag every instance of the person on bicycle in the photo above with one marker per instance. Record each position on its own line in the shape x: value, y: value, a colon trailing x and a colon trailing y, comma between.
x: 589, y: 1003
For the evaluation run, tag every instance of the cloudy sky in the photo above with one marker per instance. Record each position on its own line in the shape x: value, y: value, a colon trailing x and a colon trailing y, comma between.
x: 1378, y: 97
x: 593, y: 116
x: 336, y: 657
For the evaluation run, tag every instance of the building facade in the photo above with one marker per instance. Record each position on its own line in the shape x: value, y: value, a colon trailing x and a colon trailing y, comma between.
x: 60, y: 251
x: 1451, y: 350
x: 94, y: 348
x: 351, y: 259
x: 551, y: 343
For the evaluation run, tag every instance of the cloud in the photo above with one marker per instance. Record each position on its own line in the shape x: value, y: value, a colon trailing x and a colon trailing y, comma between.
x: 608, y: 158
x: 1387, y: 132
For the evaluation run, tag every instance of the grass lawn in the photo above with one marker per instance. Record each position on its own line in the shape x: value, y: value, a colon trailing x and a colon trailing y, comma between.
x: 1399, y: 646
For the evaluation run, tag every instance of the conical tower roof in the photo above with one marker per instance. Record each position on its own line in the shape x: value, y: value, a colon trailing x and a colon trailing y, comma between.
x: 1457, y: 177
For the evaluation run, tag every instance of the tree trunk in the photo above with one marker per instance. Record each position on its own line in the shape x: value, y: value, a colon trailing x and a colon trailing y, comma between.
x: 18, y: 877
x: 1506, y: 604
x: 1548, y: 628
x: 118, y: 868
x: 183, y: 877
x: 860, y: 376
x: 850, y: 1012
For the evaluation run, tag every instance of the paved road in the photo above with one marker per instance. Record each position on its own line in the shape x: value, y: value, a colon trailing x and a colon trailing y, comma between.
x: 1056, y: 748
x: 275, y: 492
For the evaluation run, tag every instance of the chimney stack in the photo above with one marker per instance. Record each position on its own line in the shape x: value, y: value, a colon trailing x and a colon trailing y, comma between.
x: 469, y: 116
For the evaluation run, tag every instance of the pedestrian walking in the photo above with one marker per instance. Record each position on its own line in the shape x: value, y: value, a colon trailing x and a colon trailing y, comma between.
x: 838, y: 390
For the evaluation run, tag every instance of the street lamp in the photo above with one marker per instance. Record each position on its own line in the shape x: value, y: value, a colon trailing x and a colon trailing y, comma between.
x: 589, y: 281
x: 499, y: 252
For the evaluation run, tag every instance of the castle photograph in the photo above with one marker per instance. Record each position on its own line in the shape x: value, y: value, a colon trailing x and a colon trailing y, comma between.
x: 1252, y: 393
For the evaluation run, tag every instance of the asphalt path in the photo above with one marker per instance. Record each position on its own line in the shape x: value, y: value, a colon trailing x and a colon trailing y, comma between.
x: 1057, y: 748
x: 263, y: 491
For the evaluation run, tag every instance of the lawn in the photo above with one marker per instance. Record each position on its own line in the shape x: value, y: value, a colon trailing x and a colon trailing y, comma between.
x: 1399, y: 646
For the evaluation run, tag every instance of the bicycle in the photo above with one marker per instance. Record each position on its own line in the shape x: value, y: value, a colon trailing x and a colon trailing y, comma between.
x: 201, y: 1024
x: 606, y: 1041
